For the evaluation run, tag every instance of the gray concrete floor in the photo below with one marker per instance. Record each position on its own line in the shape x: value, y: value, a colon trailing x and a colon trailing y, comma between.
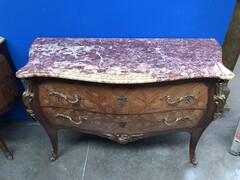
x: 87, y: 157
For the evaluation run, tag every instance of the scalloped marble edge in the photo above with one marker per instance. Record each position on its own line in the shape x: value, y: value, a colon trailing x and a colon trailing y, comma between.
x: 228, y: 74
x: 126, y: 79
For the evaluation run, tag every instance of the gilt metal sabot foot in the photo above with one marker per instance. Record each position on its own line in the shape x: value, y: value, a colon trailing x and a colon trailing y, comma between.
x: 194, y: 160
x: 8, y: 155
x: 53, y: 156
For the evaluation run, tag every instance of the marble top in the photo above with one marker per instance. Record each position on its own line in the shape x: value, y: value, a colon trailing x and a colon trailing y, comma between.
x: 125, y: 61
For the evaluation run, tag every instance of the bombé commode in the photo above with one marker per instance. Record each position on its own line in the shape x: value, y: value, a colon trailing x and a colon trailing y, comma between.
x: 124, y: 89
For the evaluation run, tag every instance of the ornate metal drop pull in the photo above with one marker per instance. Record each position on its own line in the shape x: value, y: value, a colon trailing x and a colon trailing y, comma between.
x: 219, y: 98
x: 185, y: 98
x: 122, y: 100
x: 183, y: 118
x: 123, y: 138
x: 122, y: 123
x: 59, y: 96
x: 66, y: 117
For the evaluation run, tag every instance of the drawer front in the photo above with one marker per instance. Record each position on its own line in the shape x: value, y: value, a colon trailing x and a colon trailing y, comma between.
x: 103, y: 124
x: 120, y: 100
x: 8, y: 91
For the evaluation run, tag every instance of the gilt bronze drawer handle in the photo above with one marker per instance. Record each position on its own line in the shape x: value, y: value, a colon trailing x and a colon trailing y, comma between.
x: 183, y: 118
x: 185, y: 98
x: 59, y: 96
x: 123, y: 138
x: 66, y: 117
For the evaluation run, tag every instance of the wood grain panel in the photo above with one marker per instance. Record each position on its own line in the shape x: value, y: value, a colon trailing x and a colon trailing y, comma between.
x: 5, y: 69
x: 8, y: 91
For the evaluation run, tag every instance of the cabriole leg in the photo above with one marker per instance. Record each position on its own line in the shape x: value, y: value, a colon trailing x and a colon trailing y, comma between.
x: 52, y: 133
x: 5, y: 149
x: 195, y: 136
x: 30, y: 102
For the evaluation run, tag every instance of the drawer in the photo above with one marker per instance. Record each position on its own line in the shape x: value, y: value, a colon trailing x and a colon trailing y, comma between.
x: 113, y: 99
x: 123, y: 124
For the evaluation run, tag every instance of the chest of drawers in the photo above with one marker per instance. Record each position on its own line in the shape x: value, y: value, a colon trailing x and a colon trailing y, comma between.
x: 124, y: 89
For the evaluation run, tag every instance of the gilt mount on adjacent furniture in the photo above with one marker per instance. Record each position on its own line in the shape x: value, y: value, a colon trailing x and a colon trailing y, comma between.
x: 155, y: 87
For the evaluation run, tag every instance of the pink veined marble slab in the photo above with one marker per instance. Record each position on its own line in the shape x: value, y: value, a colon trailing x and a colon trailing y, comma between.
x: 125, y: 61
